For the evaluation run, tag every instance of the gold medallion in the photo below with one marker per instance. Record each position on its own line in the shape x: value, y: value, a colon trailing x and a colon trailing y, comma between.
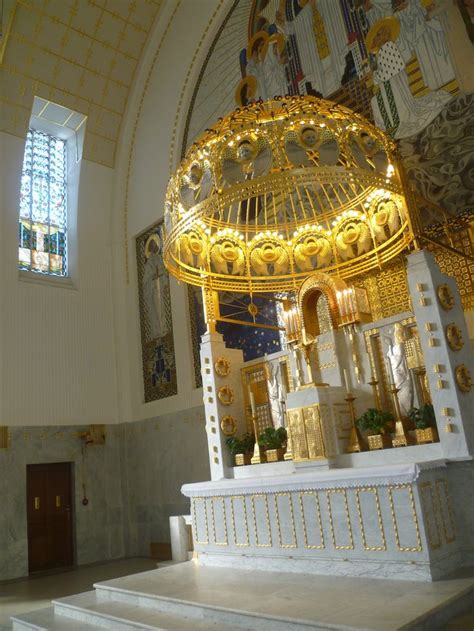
x: 445, y: 297
x: 222, y: 367
x: 225, y: 394
x: 228, y: 425
x: 463, y: 378
x: 454, y: 337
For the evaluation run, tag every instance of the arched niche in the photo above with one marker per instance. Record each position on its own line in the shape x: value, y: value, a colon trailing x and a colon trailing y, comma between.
x: 317, y: 304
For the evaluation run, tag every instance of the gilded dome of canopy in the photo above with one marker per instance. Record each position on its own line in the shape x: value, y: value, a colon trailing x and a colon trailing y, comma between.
x: 280, y: 188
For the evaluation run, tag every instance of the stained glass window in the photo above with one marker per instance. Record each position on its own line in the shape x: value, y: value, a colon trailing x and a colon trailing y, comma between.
x: 42, y: 228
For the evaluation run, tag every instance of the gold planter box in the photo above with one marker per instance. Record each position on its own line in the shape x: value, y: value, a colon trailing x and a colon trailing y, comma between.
x: 428, y: 435
x: 241, y: 459
x: 274, y: 455
x: 379, y: 441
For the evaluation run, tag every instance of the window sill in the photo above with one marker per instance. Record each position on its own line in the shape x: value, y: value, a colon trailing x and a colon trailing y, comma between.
x: 64, y: 282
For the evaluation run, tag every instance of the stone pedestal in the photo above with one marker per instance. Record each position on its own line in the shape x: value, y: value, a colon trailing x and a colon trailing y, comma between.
x: 453, y: 406
x: 320, y: 421
x: 222, y: 396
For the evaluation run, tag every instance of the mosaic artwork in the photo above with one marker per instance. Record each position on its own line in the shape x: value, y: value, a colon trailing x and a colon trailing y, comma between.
x: 398, y: 62
x: 159, y: 365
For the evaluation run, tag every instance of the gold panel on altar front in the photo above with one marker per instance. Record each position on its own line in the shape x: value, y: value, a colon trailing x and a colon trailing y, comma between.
x: 306, y: 433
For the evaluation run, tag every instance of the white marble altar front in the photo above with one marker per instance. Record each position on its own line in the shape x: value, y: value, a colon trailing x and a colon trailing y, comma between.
x: 389, y: 521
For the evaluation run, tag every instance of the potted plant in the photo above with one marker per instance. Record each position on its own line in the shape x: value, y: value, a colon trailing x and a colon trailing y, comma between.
x: 274, y: 442
x: 376, y: 424
x: 241, y: 448
x: 425, y: 424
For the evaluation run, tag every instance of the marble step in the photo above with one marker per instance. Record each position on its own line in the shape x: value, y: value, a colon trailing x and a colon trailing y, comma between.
x: 90, y: 608
x: 282, y: 601
x: 47, y: 620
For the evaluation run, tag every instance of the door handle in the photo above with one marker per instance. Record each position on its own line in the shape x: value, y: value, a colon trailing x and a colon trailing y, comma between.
x: 58, y: 501
x: 37, y: 503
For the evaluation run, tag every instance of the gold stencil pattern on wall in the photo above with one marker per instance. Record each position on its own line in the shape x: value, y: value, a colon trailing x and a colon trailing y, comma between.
x: 82, y: 55
x: 462, y: 270
x: 387, y: 290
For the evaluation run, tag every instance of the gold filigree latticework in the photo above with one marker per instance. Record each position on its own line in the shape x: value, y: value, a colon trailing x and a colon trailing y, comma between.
x: 281, y: 188
x: 254, y: 379
x: 323, y: 313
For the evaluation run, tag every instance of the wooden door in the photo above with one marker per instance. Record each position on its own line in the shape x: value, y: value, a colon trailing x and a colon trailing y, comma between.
x: 50, y: 520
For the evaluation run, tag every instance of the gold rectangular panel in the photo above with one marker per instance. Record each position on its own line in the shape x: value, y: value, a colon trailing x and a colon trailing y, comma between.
x: 200, y: 521
x: 446, y: 510
x: 431, y: 510
x: 286, y: 525
x: 219, y: 521
x: 338, y: 509
x: 368, y: 502
x: 260, y: 513
x: 408, y: 538
x: 313, y: 431
x: 311, y: 517
x: 239, y: 520
x: 298, y: 435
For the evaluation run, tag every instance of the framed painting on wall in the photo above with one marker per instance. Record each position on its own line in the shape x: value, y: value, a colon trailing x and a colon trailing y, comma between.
x: 156, y: 325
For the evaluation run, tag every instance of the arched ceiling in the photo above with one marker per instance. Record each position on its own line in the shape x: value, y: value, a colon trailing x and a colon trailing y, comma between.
x: 82, y: 54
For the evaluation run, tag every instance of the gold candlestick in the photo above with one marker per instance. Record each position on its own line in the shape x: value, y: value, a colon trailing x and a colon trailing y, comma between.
x: 355, y: 442
x: 256, y: 458
x: 375, y: 392
x: 400, y: 439
x: 289, y: 446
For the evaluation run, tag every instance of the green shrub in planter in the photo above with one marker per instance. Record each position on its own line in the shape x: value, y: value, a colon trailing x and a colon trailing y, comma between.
x: 242, y: 445
x: 272, y: 438
x: 374, y: 421
x: 423, y: 417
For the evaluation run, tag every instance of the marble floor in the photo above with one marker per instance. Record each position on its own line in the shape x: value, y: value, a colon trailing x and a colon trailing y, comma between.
x: 336, y: 603
x: 27, y: 594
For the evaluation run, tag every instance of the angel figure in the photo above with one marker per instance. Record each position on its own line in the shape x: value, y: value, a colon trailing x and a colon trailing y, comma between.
x: 311, y: 149
x: 249, y: 164
x: 155, y: 286
x: 228, y: 254
x: 399, y: 368
x: 274, y: 395
x: 197, y: 186
x: 269, y: 259
x: 313, y: 252
x: 353, y: 241
x: 385, y: 221
x: 367, y: 153
x: 193, y: 250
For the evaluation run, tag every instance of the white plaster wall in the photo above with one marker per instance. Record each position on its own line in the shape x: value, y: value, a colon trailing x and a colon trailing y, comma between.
x: 57, y: 344
x: 160, y: 98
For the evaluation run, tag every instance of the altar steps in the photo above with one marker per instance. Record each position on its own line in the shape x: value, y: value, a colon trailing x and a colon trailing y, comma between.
x: 189, y: 596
